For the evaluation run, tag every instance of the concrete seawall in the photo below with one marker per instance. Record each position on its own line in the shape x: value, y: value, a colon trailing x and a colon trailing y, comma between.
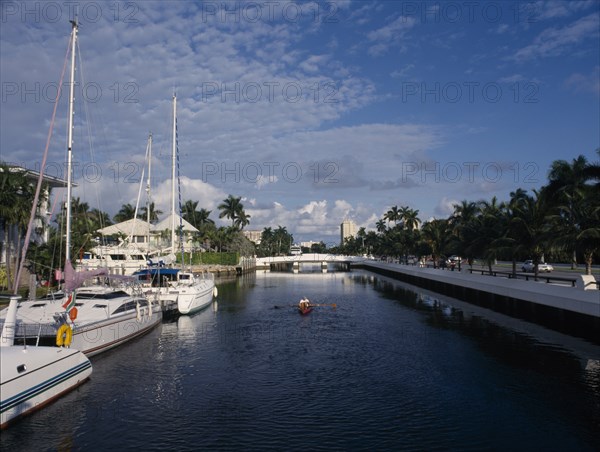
x: 566, y: 309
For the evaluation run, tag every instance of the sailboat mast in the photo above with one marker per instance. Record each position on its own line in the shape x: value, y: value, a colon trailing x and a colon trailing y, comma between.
x: 148, y: 182
x: 173, y: 165
x: 70, y: 142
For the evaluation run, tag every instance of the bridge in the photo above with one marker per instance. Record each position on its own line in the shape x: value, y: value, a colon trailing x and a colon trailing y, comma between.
x: 295, y: 263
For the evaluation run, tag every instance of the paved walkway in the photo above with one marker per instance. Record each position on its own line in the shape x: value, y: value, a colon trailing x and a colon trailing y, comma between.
x: 568, y: 298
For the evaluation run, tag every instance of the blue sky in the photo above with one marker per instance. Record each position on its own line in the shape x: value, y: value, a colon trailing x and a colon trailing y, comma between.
x: 311, y: 112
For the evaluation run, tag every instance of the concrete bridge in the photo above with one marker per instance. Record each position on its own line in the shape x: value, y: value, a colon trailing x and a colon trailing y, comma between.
x: 295, y: 263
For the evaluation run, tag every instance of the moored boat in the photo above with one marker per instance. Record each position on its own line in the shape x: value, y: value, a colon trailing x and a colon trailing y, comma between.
x: 92, y: 319
x: 31, y: 377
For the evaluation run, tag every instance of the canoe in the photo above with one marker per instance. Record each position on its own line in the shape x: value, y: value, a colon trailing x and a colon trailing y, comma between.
x: 305, y: 310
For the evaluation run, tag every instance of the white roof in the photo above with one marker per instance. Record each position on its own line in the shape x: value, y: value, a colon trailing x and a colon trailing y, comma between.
x: 139, y: 227
x: 166, y: 224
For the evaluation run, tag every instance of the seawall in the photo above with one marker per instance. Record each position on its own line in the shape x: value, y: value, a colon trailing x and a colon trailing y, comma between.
x: 566, y: 309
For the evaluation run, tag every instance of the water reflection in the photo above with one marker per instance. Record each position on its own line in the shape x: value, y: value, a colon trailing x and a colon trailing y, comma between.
x: 515, y: 342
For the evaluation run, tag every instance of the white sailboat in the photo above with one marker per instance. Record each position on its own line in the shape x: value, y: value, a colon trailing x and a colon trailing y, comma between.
x: 175, y: 287
x: 91, y: 319
x: 31, y: 377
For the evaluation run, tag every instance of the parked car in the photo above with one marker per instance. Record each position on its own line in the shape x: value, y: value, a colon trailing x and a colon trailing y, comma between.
x: 528, y: 266
x: 454, y: 259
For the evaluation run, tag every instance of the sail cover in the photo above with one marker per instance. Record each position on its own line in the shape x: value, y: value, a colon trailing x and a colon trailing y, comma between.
x: 74, y: 279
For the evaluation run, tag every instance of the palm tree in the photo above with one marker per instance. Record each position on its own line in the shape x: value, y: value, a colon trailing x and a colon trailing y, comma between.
x: 511, y: 240
x: 436, y: 233
x: 488, y: 228
x: 392, y: 215
x: 242, y: 220
x: 16, y: 198
x: 126, y: 213
x: 189, y: 211
x: 410, y: 218
x: 534, y: 231
x: 232, y: 208
x: 463, y: 226
x: 154, y: 213
x: 567, y: 187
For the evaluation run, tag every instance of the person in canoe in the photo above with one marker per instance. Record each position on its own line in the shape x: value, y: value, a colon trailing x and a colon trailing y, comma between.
x: 304, y: 304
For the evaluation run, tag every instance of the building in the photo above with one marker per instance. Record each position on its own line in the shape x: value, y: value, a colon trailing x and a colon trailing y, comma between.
x: 348, y: 228
x: 253, y: 235
x: 8, y: 232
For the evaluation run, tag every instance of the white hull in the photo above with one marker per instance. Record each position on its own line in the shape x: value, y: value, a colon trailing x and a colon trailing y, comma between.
x: 46, y: 374
x: 102, y: 336
x: 196, y: 297
x: 176, y: 290
x: 101, y: 323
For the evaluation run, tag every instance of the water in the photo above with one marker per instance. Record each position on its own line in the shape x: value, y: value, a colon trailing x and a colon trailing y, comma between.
x: 390, y: 368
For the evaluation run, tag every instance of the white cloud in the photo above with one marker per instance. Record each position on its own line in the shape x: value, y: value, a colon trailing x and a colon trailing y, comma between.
x: 585, y: 83
x: 554, y: 42
x: 390, y: 35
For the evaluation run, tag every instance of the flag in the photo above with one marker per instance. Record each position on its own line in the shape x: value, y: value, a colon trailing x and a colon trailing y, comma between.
x: 70, y: 303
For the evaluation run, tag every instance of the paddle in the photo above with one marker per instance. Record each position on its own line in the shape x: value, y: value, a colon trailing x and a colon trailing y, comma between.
x: 333, y: 305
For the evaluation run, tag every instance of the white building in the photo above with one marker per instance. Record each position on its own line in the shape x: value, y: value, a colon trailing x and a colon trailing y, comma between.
x: 348, y: 229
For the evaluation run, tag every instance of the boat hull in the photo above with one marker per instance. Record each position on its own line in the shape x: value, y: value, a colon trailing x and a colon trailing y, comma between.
x: 198, y: 298
x: 95, y: 329
x: 32, y: 377
x: 305, y: 311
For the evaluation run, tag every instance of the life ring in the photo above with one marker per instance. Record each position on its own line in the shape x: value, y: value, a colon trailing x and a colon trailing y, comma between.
x: 64, y: 336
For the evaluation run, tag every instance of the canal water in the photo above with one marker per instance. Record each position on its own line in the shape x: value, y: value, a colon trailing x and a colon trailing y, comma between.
x: 390, y: 367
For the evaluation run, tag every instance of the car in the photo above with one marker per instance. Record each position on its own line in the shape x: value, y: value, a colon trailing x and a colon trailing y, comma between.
x: 453, y: 261
x: 529, y: 266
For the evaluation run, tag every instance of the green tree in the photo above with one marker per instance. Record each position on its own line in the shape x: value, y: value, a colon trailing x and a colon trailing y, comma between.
x: 16, y: 198
x: 154, y: 213
x: 532, y: 226
x: 233, y: 209
x: 436, y: 234
x: 126, y: 212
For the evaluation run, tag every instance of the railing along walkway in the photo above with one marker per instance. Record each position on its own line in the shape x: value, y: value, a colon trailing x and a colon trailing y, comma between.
x: 525, y: 276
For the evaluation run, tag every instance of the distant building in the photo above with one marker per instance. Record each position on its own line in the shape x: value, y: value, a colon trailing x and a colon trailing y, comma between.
x: 308, y: 244
x: 254, y: 236
x: 348, y: 228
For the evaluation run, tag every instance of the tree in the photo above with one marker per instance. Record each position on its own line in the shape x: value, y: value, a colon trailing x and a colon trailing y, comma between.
x: 233, y: 209
x: 126, y: 212
x: 463, y: 228
x: 532, y: 226
x: 154, y: 213
x: 410, y: 218
x: 16, y: 199
x: 566, y: 186
x: 392, y: 215
x: 436, y: 233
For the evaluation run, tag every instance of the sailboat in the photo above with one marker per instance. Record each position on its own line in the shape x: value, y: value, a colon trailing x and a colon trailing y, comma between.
x: 31, y: 377
x: 92, y: 318
x: 175, y: 288
x: 129, y: 255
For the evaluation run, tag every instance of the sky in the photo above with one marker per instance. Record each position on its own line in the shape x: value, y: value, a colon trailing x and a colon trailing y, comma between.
x: 311, y: 112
